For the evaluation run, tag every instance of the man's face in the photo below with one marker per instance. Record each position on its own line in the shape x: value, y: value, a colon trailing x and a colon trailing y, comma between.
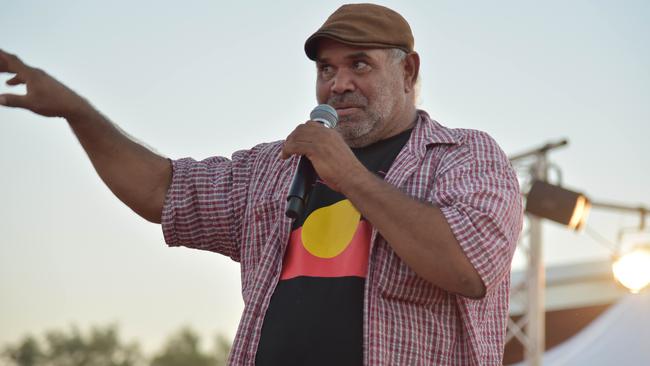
x: 366, y: 88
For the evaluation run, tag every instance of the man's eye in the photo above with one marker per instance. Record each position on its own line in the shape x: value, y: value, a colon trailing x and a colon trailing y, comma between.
x: 326, y: 71
x: 360, y: 65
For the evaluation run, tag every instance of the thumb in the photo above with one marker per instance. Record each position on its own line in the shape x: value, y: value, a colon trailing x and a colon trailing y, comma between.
x: 16, y: 80
x: 13, y: 100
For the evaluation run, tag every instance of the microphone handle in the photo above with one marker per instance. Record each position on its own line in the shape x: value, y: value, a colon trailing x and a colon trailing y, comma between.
x: 301, y: 186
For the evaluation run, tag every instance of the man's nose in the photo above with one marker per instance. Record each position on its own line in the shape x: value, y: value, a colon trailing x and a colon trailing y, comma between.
x: 342, y: 82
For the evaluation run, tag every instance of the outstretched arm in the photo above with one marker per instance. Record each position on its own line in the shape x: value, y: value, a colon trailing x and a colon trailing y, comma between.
x: 136, y: 175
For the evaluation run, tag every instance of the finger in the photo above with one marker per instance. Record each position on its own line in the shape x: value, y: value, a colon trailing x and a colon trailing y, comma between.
x: 13, y: 100
x: 311, y: 125
x: 301, y: 128
x: 284, y: 152
x: 10, y: 63
x: 308, y: 133
x: 314, y: 123
x: 301, y: 134
x: 16, y: 80
x: 296, y: 148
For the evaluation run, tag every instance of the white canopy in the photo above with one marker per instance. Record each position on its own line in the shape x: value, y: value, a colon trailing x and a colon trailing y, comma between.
x: 620, y: 336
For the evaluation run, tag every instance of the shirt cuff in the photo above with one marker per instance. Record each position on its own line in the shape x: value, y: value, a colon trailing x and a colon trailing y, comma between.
x: 174, y: 194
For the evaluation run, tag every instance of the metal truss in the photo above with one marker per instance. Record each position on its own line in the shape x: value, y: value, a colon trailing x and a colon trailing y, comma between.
x: 529, y: 329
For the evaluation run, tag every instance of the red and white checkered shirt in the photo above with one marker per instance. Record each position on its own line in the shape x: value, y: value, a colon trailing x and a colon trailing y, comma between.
x: 236, y: 207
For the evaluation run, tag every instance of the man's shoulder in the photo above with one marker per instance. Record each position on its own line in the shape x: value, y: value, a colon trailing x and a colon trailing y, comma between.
x: 473, y: 137
x: 465, y: 141
x: 462, y: 136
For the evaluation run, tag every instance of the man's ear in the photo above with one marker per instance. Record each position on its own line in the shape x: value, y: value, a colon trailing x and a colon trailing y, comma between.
x: 411, y: 71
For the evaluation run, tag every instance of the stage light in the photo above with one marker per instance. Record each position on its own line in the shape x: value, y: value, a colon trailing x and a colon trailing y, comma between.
x: 632, y: 269
x: 558, y: 204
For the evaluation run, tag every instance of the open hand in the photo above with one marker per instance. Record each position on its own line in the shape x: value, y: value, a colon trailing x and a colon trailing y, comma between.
x: 45, y: 95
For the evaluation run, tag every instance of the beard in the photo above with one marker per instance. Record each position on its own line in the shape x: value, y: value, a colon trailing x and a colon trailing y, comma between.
x: 363, y: 127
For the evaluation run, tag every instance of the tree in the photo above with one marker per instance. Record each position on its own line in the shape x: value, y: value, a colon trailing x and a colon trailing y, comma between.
x: 100, y: 347
x: 27, y: 353
x: 183, y: 349
x: 222, y: 349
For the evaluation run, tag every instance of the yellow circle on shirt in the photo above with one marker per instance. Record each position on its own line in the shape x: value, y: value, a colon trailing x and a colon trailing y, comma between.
x: 328, y: 230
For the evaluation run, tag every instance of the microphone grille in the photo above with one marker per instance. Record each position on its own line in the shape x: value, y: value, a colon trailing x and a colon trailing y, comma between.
x: 325, y: 114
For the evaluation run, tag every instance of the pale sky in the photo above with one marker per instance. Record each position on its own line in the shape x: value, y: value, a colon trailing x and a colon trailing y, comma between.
x: 208, y: 78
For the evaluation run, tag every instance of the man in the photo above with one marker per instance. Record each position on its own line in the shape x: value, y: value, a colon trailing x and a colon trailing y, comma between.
x: 402, y: 256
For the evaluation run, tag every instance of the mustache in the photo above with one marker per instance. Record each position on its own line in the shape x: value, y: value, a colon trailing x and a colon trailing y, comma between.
x: 347, y: 99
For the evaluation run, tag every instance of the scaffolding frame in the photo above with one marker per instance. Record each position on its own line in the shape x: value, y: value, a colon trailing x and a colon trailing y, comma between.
x: 529, y: 330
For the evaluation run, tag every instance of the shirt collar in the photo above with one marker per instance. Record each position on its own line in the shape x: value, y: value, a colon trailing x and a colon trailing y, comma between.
x: 429, y: 132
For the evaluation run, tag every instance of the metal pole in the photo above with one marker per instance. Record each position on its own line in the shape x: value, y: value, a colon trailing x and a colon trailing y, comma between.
x: 641, y: 210
x: 536, y: 278
x: 539, y: 150
x: 534, y: 320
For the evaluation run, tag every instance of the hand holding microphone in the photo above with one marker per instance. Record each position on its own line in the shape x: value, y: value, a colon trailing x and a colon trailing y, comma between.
x: 305, y: 176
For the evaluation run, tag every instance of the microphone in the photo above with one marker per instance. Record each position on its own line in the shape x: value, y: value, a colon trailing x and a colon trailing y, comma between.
x: 305, y: 176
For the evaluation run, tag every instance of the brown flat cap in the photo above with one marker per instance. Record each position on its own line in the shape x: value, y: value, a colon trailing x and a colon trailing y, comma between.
x: 366, y: 25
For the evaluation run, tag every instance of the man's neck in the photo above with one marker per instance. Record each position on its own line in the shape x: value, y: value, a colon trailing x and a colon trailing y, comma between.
x: 403, y: 123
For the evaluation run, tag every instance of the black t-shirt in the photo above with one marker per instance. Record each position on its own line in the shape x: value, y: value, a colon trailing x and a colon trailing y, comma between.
x: 315, y: 316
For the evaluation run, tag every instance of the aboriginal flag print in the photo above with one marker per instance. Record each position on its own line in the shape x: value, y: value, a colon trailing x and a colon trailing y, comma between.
x: 332, y: 242
x: 315, y: 316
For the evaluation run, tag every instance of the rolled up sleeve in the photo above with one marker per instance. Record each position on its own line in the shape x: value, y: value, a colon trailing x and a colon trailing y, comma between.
x: 205, y: 202
x: 478, y: 193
